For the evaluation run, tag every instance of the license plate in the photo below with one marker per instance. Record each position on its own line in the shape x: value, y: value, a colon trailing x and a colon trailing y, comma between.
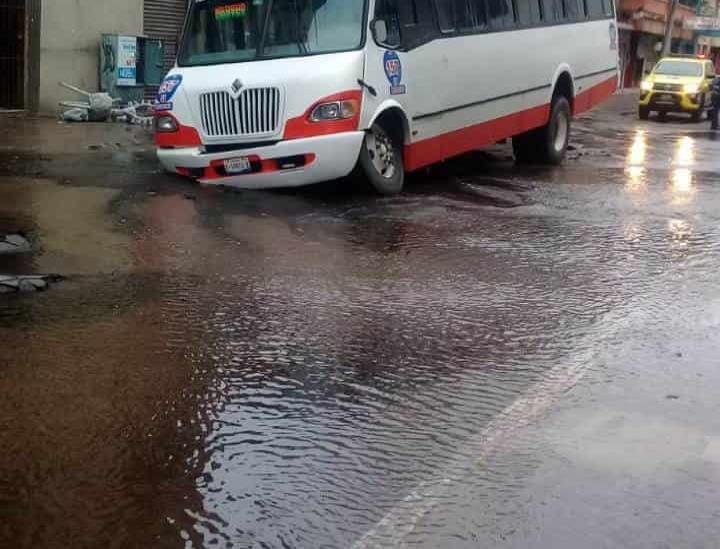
x: 665, y: 97
x: 238, y: 165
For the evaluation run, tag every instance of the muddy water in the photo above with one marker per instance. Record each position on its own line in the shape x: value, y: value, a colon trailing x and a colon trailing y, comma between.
x: 323, y: 369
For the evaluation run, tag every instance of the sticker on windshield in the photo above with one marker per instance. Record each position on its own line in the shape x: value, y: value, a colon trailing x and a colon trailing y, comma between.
x: 168, y: 88
x: 231, y: 11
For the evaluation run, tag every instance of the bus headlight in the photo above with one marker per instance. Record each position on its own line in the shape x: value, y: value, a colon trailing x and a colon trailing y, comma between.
x: 335, y: 110
x: 645, y: 85
x: 165, y: 124
x: 691, y: 88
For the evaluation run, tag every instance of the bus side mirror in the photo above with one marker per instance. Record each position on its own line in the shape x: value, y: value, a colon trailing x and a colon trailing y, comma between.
x: 379, y: 31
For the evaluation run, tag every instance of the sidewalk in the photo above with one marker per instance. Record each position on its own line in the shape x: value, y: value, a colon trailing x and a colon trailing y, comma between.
x: 46, y: 135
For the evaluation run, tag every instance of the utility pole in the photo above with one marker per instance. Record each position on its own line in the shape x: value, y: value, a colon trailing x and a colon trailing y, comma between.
x: 669, y: 26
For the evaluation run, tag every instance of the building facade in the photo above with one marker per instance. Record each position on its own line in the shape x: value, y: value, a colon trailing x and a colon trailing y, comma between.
x: 43, y: 42
x: 641, y: 25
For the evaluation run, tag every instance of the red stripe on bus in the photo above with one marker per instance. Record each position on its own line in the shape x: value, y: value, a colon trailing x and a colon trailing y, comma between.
x: 436, y: 149
x: 586, y: 100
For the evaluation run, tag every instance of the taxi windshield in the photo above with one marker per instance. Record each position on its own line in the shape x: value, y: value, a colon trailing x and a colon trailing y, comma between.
x: 227, y: 31
x: 673, y: 67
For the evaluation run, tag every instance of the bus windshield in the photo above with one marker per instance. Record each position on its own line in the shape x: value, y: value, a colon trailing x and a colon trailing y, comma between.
x: 227, y: 31
x: 678, y: 68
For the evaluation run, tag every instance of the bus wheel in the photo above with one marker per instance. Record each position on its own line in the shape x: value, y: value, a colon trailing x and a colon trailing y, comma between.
x: 643, y: 113
x: 548, y: 144
x: 555, y: 135
x: 381, y: 160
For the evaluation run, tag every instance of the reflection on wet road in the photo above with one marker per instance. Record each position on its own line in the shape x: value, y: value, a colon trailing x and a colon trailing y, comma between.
x: 322, y: 369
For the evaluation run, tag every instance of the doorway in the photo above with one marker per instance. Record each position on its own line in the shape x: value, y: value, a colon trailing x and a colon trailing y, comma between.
x: 12, y: 54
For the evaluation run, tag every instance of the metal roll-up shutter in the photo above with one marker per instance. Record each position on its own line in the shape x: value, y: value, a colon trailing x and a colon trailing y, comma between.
x: 163, y: 20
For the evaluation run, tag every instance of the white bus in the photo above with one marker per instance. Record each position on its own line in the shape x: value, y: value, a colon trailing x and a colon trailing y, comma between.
x: 279, y: 93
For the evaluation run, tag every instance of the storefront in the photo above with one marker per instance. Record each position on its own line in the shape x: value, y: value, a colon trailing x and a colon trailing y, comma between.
x: 707, y: 37
x: 641, y: 25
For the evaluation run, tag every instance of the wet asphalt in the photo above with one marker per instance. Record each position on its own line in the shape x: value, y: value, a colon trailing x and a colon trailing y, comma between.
x: 499, y: 357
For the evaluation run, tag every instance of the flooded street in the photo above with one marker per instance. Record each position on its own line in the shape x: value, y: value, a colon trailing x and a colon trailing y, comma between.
x: 498, y: 357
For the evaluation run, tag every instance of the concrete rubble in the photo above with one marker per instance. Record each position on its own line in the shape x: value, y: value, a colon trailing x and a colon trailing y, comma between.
x: 12, y: 283
x: 23, y: 283
x: 14, y: 244
x: 97, y: 108
x: 101, y: 107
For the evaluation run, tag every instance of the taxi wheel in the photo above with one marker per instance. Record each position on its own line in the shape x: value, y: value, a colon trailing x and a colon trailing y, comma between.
x: 696, y: 116
x: 643, y: 113
x: 381, y: 160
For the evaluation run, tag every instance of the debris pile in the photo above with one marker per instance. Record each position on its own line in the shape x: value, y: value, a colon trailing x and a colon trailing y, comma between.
x: 140, y: 113
x: 16, y: 243
x: 101, y: 107
x: 26, y: 283
x: 97, y: 108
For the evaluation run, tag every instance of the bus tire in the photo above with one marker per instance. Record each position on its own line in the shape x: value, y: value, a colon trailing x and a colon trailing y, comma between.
x: 555, y: 135
x: 381, y: 160
x: 643, y: 113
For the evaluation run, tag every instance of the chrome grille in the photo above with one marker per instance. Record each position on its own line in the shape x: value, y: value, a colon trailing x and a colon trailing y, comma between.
x: 668, y: 87
x: 255, y: 112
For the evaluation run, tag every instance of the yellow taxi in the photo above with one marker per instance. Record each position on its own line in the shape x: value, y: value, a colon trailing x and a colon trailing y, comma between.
x: 677, y: 84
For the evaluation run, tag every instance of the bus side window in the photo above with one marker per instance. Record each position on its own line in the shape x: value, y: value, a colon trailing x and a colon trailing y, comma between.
x: 386, y: 10
x: 558, y: 10
x: 596, y: 9
x: 525, y: 15
x: 417, y: 24
x: 548, y: 9
x: 446, y: 15
x: 461, y: 15
x: 573, y: 10
x: 537, y: 12
x: 479, y: 11
x: 501, y: 14
x: 465, y: 17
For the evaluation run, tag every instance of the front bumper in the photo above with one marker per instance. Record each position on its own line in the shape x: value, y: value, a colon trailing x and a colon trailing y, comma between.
x: 671, y: 101
x: 290, y: 163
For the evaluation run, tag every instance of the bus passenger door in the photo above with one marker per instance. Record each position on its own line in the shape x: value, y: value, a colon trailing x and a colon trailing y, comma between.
x: 398, y: 68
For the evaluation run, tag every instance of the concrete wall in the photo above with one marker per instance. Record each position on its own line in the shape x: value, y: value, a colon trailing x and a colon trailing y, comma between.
x: 70, y: 42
